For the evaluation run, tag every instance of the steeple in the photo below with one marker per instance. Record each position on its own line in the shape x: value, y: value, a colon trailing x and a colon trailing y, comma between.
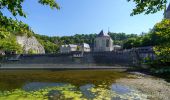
x: 101, y: 34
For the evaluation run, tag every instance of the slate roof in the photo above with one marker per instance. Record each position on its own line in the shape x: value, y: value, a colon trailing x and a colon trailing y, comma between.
x: 101, y: 34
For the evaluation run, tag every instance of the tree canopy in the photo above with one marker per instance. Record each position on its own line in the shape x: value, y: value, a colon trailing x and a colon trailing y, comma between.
x: 148, y: 6
x: 16, y: 8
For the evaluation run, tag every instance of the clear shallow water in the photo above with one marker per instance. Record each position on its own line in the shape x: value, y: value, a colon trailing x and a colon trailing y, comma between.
x: 74, y: 85
x: 57, y: 91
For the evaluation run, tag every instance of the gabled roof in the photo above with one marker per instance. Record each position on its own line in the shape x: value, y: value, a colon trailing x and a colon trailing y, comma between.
x: 69, y: 45
x: 73, y: 45
x: 101, y: 34
x: 86, y: 45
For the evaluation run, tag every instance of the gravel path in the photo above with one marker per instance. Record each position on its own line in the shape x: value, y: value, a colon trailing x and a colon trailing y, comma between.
x: 155, y: 88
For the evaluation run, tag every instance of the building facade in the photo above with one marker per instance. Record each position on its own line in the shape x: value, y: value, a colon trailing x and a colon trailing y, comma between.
x: 167, y: 13
x: 103, y: 42
x: 84, y: 47
x: 68, y: 48
x: 72, y: 47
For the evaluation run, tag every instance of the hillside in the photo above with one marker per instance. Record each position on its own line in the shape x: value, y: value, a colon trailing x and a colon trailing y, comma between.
x: 18, y: 37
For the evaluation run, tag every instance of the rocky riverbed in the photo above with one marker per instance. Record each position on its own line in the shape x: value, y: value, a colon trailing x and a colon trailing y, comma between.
x: 155, y: 88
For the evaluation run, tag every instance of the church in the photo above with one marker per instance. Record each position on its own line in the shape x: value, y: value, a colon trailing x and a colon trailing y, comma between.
x: 103, y: 42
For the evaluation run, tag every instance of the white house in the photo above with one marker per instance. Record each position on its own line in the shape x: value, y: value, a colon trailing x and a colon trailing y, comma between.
x: 72, y: 47
x: 68, y: 48
x: 103, y: 42
x: 2, y: 53
x: 85, y: 47
x: 117, y: 47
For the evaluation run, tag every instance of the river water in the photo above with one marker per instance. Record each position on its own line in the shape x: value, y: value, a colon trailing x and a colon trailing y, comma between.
x: 65, y: 85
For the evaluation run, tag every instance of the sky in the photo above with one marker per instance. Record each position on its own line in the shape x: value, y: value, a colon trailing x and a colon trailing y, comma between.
x: 86, y: 17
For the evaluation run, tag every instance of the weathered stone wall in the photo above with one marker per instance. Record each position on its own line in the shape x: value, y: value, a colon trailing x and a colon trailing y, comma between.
x: 95, y: 58
x: 30, y: 44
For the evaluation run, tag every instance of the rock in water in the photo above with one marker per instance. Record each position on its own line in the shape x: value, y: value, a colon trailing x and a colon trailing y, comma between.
x: 30, y: 45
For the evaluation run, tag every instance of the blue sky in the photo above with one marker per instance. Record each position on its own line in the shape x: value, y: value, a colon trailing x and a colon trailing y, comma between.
x: 86, y: 16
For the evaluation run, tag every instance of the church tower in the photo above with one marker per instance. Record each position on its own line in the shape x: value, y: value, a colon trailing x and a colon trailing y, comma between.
x: 103, y: 42
x: 167, y: 13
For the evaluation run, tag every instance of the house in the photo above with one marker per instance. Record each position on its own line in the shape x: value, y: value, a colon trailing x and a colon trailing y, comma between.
x: 84, y: 47
x: 2, y: 53
x: 72, y: 47
x: 116, y: 47
x: 103, y: 42
x: 68, y: 48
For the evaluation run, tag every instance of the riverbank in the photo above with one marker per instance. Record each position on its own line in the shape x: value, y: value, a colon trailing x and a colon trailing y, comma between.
x: 60, y: 67
x: 155, y: 88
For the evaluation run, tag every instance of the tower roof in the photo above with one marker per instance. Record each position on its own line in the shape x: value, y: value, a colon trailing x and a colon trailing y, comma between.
x: 101, y: 34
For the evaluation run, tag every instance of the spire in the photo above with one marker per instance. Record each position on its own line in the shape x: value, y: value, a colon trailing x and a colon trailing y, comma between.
x: 102, y: 34
x: 108, y: 30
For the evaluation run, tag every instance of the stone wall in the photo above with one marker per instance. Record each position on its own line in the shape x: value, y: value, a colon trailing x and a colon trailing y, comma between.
x: 93, y: 58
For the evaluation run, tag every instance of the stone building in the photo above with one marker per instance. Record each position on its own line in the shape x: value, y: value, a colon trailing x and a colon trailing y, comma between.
x: 167, y: 13
x: 2, y: 53
x: 68, y: 48
x: 84, y: 47
x: 72, y: 47
x: 117, y: 47
x: 103, y: 42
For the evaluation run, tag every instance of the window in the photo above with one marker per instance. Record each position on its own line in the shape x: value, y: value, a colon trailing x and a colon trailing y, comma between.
x: 107, y: 43
x: 94, y: 43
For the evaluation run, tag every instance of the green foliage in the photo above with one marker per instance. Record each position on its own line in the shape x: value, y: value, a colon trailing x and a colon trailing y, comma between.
x: 10, y: 44
x: 148, y: 6
x: 162, y: 32
x: 158, y: 37
x: 16, y: 8
x: 49, y: 43
x: 30, y: 51
x: 14, y: 27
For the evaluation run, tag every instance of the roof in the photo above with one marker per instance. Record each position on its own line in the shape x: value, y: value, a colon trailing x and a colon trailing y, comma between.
x: 101, y: 34
x: 72, y: 45
x: 116, y: 46
x: 86, y: 45
x: 69, y: 45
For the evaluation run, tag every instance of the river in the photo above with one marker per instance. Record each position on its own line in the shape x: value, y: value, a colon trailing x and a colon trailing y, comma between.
x: 67, y: 85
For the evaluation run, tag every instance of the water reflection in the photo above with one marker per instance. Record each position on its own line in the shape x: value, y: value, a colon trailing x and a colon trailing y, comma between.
x: 120, y: 89
x: 34, y: 86
x: 61, y: 85
x: 87, y: 91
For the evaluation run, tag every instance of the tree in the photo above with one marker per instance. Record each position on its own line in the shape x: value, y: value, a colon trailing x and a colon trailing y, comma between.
x: 148, y: 6
x: 15, y: 7
x: 162, y: 48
